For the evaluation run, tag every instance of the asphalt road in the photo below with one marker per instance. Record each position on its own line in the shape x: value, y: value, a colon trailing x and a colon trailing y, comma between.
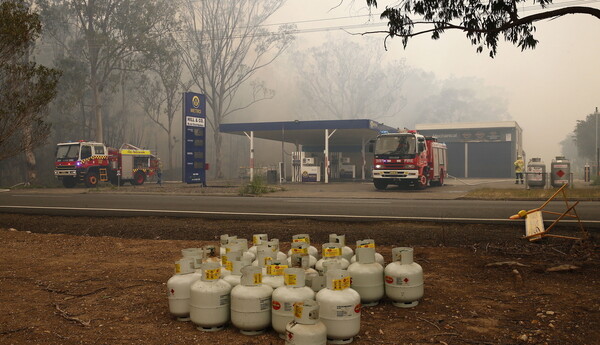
x: 108, y: 204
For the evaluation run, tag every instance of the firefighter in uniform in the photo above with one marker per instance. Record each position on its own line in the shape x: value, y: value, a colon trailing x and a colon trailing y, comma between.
x: 519, y: 166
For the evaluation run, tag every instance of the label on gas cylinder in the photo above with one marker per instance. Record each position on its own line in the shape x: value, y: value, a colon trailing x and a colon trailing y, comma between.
x: 288, y: 306
x: 298, y: 307
x: 212, y: 274
x: 229, y: 266
x: 367, y: 245
x: 266, y: 260
x: 301, y: 239
x: 341, y: 284
x: 289, y: 279
x: 224, y: 299
x: 332, y: 252
x: 276, y: 270
x: 177, y: 268
x: 299, y: 250
x: 265, y: 303
x: 396, y: 280
x: 257, y: 278
x: 344, y: 310
x: 224, y: 260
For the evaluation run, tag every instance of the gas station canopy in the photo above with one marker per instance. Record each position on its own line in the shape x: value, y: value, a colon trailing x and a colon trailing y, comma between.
x: 340, y: 136
x: 349, y: 135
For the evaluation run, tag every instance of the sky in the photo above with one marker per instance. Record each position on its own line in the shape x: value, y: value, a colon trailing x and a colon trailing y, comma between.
x: 548, y: 89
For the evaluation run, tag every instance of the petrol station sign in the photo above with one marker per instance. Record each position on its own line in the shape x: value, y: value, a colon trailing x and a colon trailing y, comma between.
x: 194, y: 138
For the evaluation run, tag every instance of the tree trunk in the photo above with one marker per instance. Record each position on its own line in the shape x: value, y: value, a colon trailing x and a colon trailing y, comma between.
x: 218, y: 162
x: 30, y: 161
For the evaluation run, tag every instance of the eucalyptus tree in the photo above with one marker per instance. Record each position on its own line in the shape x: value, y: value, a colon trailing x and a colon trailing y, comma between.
x: 107, y: 35
x: 26, y: 88
x: 482, y: 21
x: 347, y: 80
x: 226, y: 43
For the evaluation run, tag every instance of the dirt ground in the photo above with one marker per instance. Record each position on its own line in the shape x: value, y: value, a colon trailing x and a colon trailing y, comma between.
x: 79, y: 280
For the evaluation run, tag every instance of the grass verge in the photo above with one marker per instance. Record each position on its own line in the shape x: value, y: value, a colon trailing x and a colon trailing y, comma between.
x: 532, y: 194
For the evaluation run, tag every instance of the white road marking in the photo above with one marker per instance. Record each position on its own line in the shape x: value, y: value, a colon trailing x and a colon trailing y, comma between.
x: 42, y: 196
x: 342, y: 216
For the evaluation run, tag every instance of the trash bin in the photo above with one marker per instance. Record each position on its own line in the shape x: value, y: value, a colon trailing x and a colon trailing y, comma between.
x: 271, y: 176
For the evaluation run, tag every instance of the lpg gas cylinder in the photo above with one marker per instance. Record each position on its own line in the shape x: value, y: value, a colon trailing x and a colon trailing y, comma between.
x: 251, y: 302
x: 311, y: 275
x: 178, y: 287
x: 332, y: 252
x: 257, y: 239
x: 301, y: 248
x: 312, y: 250
x: 274, y: 276
x: 403, y: 278
x: 367, y: 277
x: 369, y: 243
x: 306, y: 329
x: 285, y: 296
x: 209, y: 301
x: 340, y: 307
x: 347, y: 252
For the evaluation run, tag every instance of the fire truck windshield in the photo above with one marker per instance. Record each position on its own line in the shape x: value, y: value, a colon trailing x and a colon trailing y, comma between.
x: 396, y: 145
x: 67, y: 151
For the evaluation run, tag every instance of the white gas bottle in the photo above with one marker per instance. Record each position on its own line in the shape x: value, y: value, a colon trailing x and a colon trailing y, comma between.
x: 257, y: 239
x: 332, y: 252
x: 301, y: 248
x: 243, y: 245
x: 340, y: 307
x: 347, y: 252
x: 312, y: 250
x: 274, y: 245
x: 178, y: 287
x: 285, y: 296
x: 367, y: 277
x: 306, y: 329
x: 224, y: 240
x: 274, y: 276
x: 404, y: 278
x: 234, y: 254
x: 209, y: 301
x: 311, y: 275
x: 197, y: 254
x: 211, y: 254
x: 369, y: 243
x: 236, y: 274
x: 251, y: 302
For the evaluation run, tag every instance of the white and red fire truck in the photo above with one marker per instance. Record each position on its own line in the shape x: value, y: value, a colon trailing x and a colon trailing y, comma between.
x: 409, y: 158
x: 90, y: 162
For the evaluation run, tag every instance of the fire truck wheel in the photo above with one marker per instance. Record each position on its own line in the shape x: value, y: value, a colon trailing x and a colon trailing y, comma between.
x: 69, y: 182
x: 379, y: 184
x: 91, y: 179
x: 139, y: 178
x: 422, y: 184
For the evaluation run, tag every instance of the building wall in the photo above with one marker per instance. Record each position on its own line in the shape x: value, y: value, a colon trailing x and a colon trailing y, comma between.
x: 479, y: 150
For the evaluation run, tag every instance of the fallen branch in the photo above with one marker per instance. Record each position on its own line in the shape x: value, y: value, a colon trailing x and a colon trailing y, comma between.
x: 445, y: 334
x: 66, y: 316
x: 429, y: 322
x: 13, y: 330
x: 505, y: 263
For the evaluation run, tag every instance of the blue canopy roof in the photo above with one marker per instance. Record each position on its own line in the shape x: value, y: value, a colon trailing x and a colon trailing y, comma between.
x: 350, y: 133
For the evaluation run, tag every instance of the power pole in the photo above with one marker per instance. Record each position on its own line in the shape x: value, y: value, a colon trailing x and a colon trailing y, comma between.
x: 597, y: 148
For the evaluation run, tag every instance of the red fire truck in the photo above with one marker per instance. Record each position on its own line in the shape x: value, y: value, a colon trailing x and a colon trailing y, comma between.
x: 91, y: 162
x: 409, y: 158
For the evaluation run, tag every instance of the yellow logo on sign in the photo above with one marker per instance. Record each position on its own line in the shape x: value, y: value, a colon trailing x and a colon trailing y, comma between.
x: 196, y: 101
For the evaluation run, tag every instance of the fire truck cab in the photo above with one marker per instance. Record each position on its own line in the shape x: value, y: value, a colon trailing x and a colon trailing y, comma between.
x: 408, y: 158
